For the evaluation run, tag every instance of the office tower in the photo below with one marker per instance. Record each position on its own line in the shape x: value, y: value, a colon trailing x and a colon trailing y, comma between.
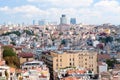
x: 41, y: 22
x: 33, y: 22
x: 63, y: 19
x: 73, y: 21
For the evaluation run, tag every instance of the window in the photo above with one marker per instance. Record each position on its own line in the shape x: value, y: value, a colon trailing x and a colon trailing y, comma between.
x: 92, y: 69
x: 91, y: 57
x: 56, y: 64
x: 56, y: 60
x: 70, y: 64
x: 70, y: 59
x: 0, y: 73
x: 73, y: 59
x: 85, y: 59
x: 60, y: 60
x: 85, y: 63
x: 92, y: 65
x: 89, y: 65
x: 61, y: 65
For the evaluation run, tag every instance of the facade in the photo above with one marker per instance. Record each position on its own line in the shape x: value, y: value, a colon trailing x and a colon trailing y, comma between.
x: 103, y: 67
x: 57, y: 60
x: 73, y: 21
x: 35, y: 70
x: 33, y: 22
x: 63, y: 19
x: 24, y: 57
x: 41, y: 22
x: 6, y: 72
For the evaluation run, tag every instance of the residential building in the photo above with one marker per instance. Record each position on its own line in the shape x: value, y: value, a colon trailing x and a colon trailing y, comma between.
x: 24, y: 57
x: 35, y: 70
x: 6, y: 72
x: 81, y: 58
x: 102, y: 67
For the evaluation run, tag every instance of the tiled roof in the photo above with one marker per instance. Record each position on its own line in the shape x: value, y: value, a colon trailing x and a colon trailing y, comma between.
x: 26, y: 55
x: 103, y: 56
x: 12, y: 70
x: 70, y: 78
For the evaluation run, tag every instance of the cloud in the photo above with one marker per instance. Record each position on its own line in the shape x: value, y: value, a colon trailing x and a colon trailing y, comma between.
x: 108, y: 6
x: 65, y: 3
x: 101, y: 11
x: 26, y: 10
x: 4, y: 8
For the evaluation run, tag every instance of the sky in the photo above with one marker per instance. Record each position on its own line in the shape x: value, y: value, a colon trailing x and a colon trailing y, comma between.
x: 85, y: 11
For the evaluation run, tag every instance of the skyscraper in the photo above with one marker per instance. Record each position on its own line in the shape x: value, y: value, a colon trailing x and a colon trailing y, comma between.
x: 33, y: 22
x: 41, y: 22
x: 73, y: 21
x: 63, y: 19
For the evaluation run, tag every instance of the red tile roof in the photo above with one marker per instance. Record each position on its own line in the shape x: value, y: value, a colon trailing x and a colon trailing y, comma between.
x: 26, y: 55
x: 103, y: 56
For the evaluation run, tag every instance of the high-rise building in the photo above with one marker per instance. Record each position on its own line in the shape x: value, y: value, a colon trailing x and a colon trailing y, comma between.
x: 73, y: 21
x: 33, y: 22
x: 41, y: 22
x: 63, y: 19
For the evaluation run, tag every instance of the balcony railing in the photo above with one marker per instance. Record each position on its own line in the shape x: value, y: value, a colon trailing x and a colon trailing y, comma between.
x: 2, y: 78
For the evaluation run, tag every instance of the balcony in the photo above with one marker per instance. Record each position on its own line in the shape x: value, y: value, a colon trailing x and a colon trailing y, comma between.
x: 2, y: 78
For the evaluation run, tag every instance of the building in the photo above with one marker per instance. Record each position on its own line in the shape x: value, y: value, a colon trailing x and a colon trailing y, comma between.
x: 103, y: 67
x: 24, y: 57
x: 41, y: 22
x: 35, y: 70
x: 33, y: 22
x: 63, y: 19
x: 73, y: 21
x: 57, y: 60
x: 6, y: 72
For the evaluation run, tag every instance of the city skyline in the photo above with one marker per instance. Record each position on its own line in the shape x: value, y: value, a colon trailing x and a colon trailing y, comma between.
x: 85, y: 11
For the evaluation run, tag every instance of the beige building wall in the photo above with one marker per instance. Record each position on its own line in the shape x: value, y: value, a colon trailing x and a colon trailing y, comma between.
x: 84, y: 59
x: 22, y: 60
x: 0, y: 54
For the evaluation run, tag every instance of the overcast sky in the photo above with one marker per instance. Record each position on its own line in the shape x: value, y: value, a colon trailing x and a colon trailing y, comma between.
x: 85, y: 11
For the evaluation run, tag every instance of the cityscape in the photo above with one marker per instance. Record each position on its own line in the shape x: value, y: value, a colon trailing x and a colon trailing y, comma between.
x: 63, y: 46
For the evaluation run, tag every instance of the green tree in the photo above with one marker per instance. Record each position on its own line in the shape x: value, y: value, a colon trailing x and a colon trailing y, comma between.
x: 10, y: 57
x: 29, y: 32
x: 111, y: 63
x: 13, y: 32
x: 63, y: 42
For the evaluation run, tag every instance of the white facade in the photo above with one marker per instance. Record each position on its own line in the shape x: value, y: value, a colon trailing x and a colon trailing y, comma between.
x: 35, y: 70
x: 103, y: 67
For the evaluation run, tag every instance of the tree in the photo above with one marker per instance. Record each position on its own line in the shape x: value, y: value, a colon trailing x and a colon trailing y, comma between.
x: 29, y: 32
x: 8, y: 51
x: 111, y: 62
x: 13, y: 32
x: 13, y: 43
x: 63, y: 42
x: 10, y: 57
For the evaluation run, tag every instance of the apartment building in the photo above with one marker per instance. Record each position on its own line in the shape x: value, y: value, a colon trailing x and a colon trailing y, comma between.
x: 74, y: 58
x: 35, y: 70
